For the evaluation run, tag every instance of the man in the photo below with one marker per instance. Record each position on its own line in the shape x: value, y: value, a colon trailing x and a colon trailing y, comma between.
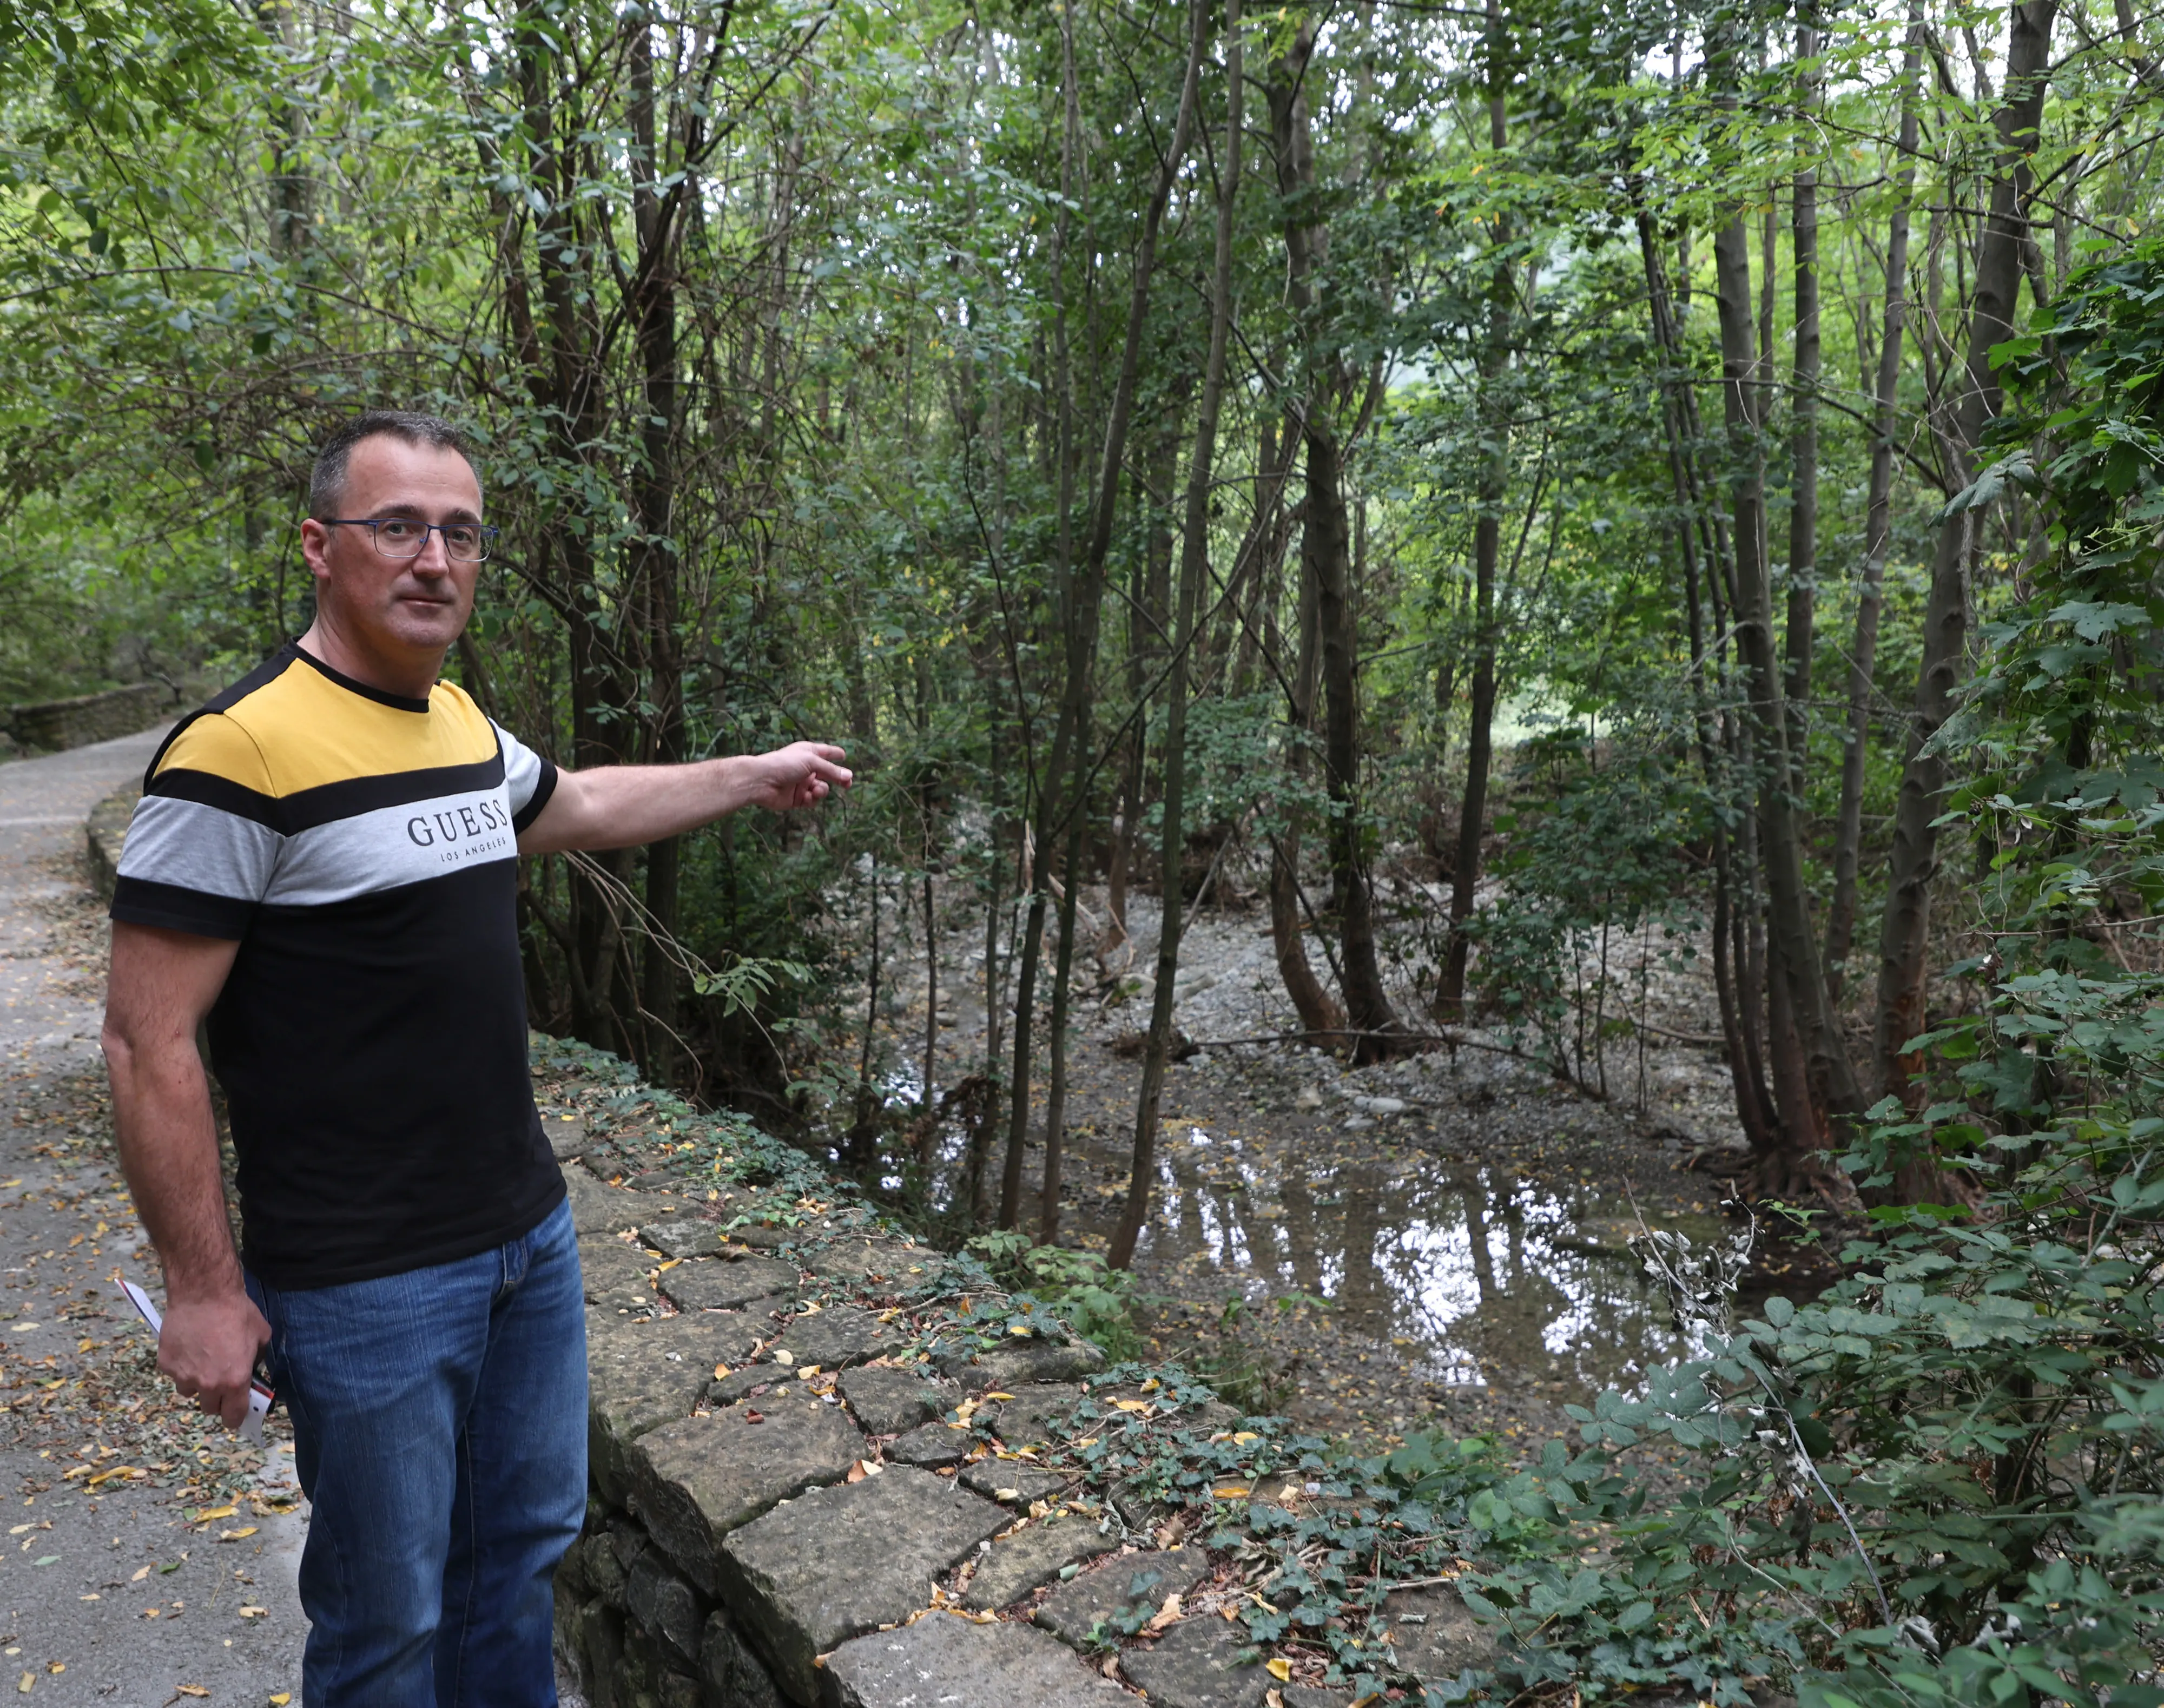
x: 324, y: 869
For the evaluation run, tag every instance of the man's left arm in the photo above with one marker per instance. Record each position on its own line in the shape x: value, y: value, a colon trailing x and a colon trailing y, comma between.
x: 624, y: 806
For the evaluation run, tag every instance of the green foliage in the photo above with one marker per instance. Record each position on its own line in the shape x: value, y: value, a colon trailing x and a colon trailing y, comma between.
x: 1100, y: 1302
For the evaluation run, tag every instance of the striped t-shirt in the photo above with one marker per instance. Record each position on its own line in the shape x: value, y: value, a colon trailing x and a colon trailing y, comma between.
x: 372, y: 1037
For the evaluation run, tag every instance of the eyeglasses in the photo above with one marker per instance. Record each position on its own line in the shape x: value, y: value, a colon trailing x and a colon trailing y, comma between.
x: 408, y: 537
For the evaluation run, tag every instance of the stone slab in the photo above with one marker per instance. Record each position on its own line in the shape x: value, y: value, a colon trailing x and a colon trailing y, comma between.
x: 1194, y: 1665
x: 717, y: 1284
x: 566, y: 1135
x: 835, y: 1339
x: 694, y: 1480
x: 615, y: 1275
x: 932, y: 1446
x: 641, y: 1374
x: 1313, y: 1696
x: 734, y: 1677
x: 1031, y: 1557
x: 1125, y: 1585
x: 863, y: 1261
x: 1435, y: 1634
x: 665, y: 1604
x: 959, y: 1663
x: 599, y: 1209
x: 845, y: 1560
x: 746, y: 1382
x: 1013, y: 1367
x: 683, y: 1237
x: 1026, y: 1419
x: 1012, y: 1483
x: 888, y: 1401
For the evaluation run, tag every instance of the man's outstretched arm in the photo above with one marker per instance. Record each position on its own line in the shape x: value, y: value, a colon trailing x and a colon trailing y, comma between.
x: 162, y: 985
x: 624, y: 806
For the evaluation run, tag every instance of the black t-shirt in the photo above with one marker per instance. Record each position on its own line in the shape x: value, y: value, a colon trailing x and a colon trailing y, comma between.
x: 371, y: 1039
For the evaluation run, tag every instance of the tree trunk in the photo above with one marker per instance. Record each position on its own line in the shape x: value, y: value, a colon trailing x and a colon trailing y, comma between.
x: 653, y: 499
x: 1804, y: 425
x: 1487, y: 549
x: 1084, y: 594
x: 1194, y: 568
x: 1877, y: 531
x: 1832, y: 1080
x: 1905, y: 932
x: 1055, y: 1095
x: 1325, y: 549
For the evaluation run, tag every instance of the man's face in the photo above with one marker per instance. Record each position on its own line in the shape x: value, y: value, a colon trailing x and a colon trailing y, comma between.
x: 397, y: 605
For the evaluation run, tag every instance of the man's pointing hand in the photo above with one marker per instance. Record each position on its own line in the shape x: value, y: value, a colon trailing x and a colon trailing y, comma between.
x: 800, y: 775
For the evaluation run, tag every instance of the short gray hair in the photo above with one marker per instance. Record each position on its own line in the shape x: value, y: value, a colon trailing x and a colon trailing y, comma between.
x: 327, y: 482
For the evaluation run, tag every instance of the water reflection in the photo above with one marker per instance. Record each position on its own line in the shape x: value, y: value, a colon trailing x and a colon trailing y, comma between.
x: 1469, y: 1275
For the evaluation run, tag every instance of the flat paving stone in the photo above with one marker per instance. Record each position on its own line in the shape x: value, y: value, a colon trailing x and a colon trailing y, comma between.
x: 1025, y: 1420
x: 615, y: 1275
x: 864, y: 1260
x: 959, y: 1663
x: 641, y: 1374
x: 888, y: 1400
x: 1435, y: 1634
x: 1012, y: 1367
x: 566, y: 1135
x: 1128, y: 1585
x: 748, y: 1382
x: 845, y: 1560
x: 716, y: 1284
x: 600, y: 1209
x: 838, y: 1338
x: 1195, y: 1665
x: 683, y: 1237
x: 694, y: 1480
x: 1031, y: 1557
x: 933, y: 1446
x: 1012, y: 1484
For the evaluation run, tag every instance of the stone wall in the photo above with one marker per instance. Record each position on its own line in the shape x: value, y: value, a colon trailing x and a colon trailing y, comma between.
x: 106, y: 832
x: 50, y: 725
x: 809, y: 1488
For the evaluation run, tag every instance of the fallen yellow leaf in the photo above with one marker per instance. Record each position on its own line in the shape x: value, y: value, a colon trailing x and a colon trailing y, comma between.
x: 282, y: 1699
x: 783, y: 1356
x: 999, y: 1396
x: 720, y: 1370
x: 1132, y: 1405
x: 1230, y: 1491
x: 1279, y: 1668
x: 1019, y: 1328
x: 29, y: 1679
x: 1244, y: 1437
x: 254, y: 1612
x: 211, y: 1512
x: 239, y: 1535
x: 191, y: 1690
x: 141, y: 1573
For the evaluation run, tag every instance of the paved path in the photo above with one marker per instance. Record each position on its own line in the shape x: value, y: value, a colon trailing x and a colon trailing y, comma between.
x: 149, y: 1557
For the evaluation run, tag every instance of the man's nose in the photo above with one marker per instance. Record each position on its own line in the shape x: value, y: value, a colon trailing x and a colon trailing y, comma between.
x: 435, y: 558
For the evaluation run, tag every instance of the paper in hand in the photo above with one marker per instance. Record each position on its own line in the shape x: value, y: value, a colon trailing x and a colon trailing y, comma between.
x: 259, y: 1394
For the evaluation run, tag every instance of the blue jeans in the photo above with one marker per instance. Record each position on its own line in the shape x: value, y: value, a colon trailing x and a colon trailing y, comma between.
x: 439, y: 1426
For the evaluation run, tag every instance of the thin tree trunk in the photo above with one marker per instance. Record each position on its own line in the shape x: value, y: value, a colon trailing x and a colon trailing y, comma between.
x: 1487, y: 549
x: 653, y: 498
x: 1679, y: 424
x: 1803, y: 422
x: 1194, y: 568
x: 1834, y: 1089
x: 1905, y: 932
x: 1084, y: 596
x: 1877, y: 530
x: 1317, y: 1009
x: 1325, y: 552
x: 1055, y: 1096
